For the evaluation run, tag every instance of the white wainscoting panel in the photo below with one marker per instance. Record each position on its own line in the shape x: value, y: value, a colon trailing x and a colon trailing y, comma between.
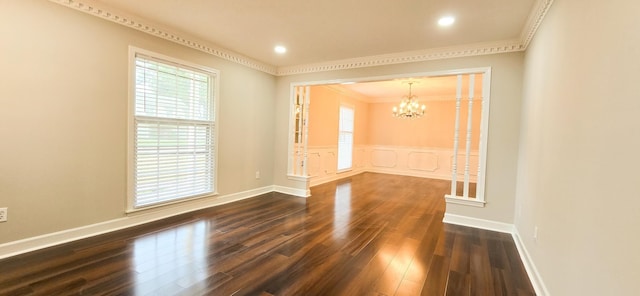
x: 359, y: 161
x: 408, y: 161
x: 418, y: 161
x: 423, y: 161
x: 330, y: 161
x: 383, y: 158
x: 323, y: 163
x: 314, y: 162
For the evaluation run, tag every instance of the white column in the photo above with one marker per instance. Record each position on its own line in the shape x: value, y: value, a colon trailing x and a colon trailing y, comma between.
x: 304, y: 114
x: 465, y: 193
x: 297, y: 130
x: 454, y: 164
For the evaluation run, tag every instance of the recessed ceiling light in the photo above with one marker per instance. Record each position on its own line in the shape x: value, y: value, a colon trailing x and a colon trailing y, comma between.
x: 446, y: 21
x: 280, y: 49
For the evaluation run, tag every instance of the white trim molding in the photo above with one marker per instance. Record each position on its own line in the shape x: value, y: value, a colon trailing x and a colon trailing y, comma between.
x: 464, y: 201
x: 298, y: 178
x: 130, y: 220
x: 137, y: 23
x: 335, y: 176
x: 532, y: 271
x: 425, y: 162
x: 503, y: 46
x: 541, y: 7
x: 292, y: 191
x: 478, y: 223
x: 406, y: 57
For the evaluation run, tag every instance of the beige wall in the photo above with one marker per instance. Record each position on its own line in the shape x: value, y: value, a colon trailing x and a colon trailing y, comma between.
x: 578, y: 162
x: 63, y: 118
x: 503, y: 124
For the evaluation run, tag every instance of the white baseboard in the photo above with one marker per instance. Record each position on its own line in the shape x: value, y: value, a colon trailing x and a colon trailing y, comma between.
x: 532, y: 271
x: 333, y: 177
x: 56, y: 238
x: 408, y: 173
x: 292, y: 191
x: 534, y: 276
x: 51, y: 239
x: 478, y: 223
x: 337, y: 176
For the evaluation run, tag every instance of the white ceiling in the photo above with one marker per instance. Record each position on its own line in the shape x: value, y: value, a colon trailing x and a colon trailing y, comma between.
x: 323, y: 35
x: 329, y: 30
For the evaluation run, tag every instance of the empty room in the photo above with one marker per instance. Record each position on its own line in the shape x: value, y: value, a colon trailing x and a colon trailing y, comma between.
x: 319, y: 147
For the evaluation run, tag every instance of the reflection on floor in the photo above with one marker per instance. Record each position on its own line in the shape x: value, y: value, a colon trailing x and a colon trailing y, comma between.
x: 371, y: 234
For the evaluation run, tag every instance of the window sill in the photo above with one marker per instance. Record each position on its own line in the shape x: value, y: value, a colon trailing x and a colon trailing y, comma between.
x: 464, y: 201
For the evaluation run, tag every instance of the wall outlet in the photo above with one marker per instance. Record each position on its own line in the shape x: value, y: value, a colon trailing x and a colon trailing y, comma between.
x: 257, y: 174
x: 3, y: 214
x: 535, y: 234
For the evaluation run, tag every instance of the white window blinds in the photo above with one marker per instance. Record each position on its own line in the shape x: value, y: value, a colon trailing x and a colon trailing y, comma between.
x: 174, y: 132
x: 345, y: 138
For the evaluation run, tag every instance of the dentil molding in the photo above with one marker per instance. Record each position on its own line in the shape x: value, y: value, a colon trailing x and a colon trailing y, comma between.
x: 541, y: 7
x: 535, y: 19
x: 155, y: 30
x: 406, y: 57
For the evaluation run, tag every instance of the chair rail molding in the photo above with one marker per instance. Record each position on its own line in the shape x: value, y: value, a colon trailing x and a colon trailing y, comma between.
x: 425, y: 162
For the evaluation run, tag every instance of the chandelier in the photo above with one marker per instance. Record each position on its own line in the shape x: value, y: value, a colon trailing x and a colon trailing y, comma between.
x: 409, y: 107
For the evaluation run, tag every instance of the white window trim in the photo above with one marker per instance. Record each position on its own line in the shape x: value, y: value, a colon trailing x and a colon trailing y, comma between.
x: 131, y: 126
x: 353, y: 108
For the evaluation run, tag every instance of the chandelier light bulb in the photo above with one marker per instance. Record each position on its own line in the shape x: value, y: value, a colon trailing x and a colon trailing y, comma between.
x: 409, y: 107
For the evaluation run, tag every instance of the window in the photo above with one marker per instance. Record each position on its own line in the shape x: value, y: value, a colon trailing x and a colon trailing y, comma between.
x: 173, y: 147
x: 345, y: 138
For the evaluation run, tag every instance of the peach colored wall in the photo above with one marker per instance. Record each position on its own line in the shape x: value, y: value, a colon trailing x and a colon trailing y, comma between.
x: 435, y: 129
x: 374, y: 124
x: 324, y: 114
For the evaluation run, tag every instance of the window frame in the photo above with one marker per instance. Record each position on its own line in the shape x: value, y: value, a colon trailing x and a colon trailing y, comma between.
x: 131, y: 126
x: 340, y: 131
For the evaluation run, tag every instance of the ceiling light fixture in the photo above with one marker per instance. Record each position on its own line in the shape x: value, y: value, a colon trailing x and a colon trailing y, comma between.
x: 280, y: 49
x: 409, y: 107
x: 446, y: 21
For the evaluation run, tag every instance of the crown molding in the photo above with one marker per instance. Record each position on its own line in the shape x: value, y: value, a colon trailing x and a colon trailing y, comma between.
x: 541, y: 7
x: 137, y: 23
x: 505, y: 46
x: 406, y: 57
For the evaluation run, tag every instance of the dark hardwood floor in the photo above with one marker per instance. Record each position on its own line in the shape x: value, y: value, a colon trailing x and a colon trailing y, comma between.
x: 371, y: 234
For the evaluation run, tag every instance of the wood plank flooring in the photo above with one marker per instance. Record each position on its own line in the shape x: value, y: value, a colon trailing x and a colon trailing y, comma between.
x: 371, y: 234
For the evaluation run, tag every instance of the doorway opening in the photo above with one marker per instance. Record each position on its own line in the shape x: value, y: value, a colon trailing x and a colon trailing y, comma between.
x: 448, y: 142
